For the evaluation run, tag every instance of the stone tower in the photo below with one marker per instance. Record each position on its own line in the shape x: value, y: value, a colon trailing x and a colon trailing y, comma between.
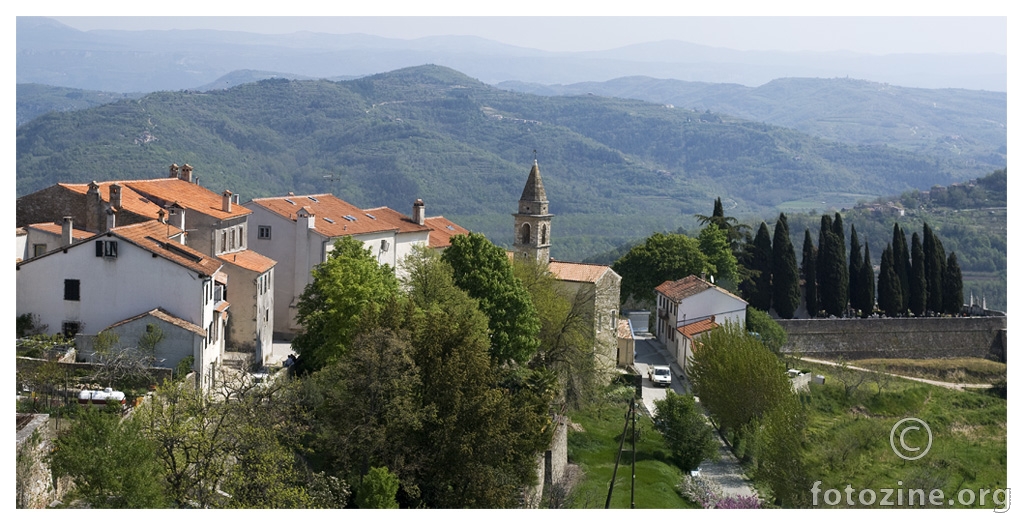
x: 532, y: 235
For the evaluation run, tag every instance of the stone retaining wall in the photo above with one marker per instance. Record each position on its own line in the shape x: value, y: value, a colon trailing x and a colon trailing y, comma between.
x: 856, y: 338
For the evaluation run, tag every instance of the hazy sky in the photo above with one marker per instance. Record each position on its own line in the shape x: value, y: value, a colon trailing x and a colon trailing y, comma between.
x: 868, y: 34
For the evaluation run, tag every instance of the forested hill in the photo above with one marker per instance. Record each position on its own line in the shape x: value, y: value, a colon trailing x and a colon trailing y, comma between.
x: 613, y: 169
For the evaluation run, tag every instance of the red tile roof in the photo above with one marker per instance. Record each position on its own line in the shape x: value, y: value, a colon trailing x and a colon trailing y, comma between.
x: 689, y: 286
x: 136, y: 197
x: 249, y: 260
x: 154, y: 237
x: 131, y: 200
x: 442, y: 230
x: 58, y: 229
x: 330, y: 215
x: 624, y: 332
x: 578, y: 272
x: 163, y: 315
x: 692, y: 329
x: 401, y: 221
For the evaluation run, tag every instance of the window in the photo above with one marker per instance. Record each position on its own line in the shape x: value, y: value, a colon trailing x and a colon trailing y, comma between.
x: 241, y: 237
x: 38, y: 249
x: 232, y: 240
x: 106, y: 249
x: 223, y: 241
x: 525, y: 234
x: 71, y: 328
x: 71, y: 290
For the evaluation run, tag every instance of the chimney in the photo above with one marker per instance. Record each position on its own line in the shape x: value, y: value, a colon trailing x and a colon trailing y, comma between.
x: 186, y: 173
x: 306, y: 219
x: 176, y: 216
x: 66, y: 238
x: 94, y: 218
x: 161, y: 215
x: 225, y: 202
x: 419, y: 212
x: 111, y: 219
x: 115, y: 195
x: 174, y: 171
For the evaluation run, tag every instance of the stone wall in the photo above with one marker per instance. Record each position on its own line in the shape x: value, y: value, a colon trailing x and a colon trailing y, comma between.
x: 856, y: 338
x: 35, y: 485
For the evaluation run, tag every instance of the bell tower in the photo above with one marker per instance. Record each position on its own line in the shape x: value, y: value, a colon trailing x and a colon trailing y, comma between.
x: 532, y: 235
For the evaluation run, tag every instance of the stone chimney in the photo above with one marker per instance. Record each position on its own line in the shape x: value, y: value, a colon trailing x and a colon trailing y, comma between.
x: 66, y: 236
x: 419, y: 213
x: 115, y: 195
x: 176, y: 216
x: 161, y: 215
x: 94, y: 217
x: 225, y: 201
x: 111, y: 219
x: 174, y: 171
x: 186, y: 173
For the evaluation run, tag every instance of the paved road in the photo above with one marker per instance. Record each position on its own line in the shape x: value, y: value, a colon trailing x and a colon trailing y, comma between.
x: 727, y: 472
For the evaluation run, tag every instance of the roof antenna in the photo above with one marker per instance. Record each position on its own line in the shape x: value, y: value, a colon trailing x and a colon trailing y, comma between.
x: 535, y: 156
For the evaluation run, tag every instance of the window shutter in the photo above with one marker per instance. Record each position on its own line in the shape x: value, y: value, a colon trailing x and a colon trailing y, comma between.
x: 113, y: 248
x: 99, y: 249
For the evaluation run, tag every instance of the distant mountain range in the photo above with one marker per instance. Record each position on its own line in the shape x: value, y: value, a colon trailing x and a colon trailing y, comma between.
x: 614, y: 169
x: 52, y: 53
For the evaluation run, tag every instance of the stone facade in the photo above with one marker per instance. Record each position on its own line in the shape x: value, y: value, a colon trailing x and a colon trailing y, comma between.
x: 35, y: 486
x: 856, y: 338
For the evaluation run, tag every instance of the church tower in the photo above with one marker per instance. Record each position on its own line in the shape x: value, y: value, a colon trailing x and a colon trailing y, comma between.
x: 532, y: 236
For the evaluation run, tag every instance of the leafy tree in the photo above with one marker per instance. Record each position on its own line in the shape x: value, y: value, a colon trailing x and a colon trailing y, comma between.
x: 867, y: 283
x: 953, y: 287
x: 771, y: 334
x: 714, y: 244
x: 809, y: 267
x: 661, y: 258
x: 902, y: 264
x: 780, y: 459
x: 918, y: 280
x: 760, y: 296
x: 344, y: 288
x: 856, y: 260
x: 686, y: 432
x: 736, y: 377
x: 483, y: 270
x: 378, y: 490
x: 785, y: 276
x: 730, y: 225
x: 110, y: 460
x: 889, y: 290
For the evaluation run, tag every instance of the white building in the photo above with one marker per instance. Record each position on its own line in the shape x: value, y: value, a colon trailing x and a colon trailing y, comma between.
x: 684, y: 302
x: 109, y: 278
x: 299, y: 232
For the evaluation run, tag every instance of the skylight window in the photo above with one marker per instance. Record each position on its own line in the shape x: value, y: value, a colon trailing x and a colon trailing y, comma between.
x: 290, y: 201
x: 371, y: 216
x: 311, y: 198
x: 329, y: 220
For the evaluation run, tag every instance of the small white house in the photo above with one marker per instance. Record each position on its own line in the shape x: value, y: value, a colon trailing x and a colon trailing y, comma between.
x: 693, y: 299
x: 97, y: 282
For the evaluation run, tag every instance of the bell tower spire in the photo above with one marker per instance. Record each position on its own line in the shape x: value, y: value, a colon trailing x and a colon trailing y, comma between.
x: 532, y: 235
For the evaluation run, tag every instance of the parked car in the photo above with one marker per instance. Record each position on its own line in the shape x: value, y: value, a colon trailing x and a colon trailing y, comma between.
x: 660, y: 375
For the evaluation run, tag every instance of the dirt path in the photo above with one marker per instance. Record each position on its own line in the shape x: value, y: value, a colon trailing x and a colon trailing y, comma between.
x: 947, y: 385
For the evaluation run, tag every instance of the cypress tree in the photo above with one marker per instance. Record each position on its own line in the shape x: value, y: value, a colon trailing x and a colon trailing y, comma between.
x: 901, y: 263
x: 856, y: 261
x: 888, y: 285
x: 867, y: 283
x: 932, y: 270
x: 761, y: 297
x: 843, y: 278
x: 831, y: 273
x: 918, y: 283
x: 809, y: 268
x: 825, y: 236
x: 785, y: 276
x: 953, y: 286
x: 718, y: 211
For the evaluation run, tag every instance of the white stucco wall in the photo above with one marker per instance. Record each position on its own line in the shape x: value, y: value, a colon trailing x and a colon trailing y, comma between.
x: 710, y: 302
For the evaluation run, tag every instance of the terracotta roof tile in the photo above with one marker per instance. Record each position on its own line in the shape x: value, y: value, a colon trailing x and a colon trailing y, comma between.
x: 189, y: 196
x: 579, y: 272
x: 249, y: 260
x: 683, y: 288
x: 154, y: 236
x: 624, y: 330
x: 692, y: 329
x: 400, y: 221
x: 330, y: 214
x: 442, y: 230
x: 131, y: 200
x: 163, y: 315
x: 58, y: 229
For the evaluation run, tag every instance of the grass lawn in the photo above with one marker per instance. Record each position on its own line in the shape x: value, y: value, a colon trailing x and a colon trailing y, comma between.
x: 956, y: 370
x: 595, y: 447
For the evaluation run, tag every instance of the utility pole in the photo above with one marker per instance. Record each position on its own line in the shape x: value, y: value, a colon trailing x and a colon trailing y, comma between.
x: 630, y: 418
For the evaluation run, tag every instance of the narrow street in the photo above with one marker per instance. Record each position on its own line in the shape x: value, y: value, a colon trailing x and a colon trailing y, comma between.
x: 727, y: 472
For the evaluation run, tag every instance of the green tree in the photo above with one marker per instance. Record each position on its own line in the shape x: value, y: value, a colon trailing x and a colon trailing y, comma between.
x: 781, y: 460
x: 831, y: 268
x: 771, y: 334
x: 687, y: 434
x: 378, y: 490
x: 933, y: 261
x: 349, y: 285
x: 760, y: 296
x: 785, y: 276
x: 733, y: 229
x: 952, y: 287
x: 110, y: 460
x: 889, y: 290
x: 714, y: 244
x: 918, y: 279
x: 842, y: 299
x: 661, y: 258
x: 901, y: 263
x: 736, y: 377
x: 483, y: 270
x: 867, y: 284
x: 809, y: 267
